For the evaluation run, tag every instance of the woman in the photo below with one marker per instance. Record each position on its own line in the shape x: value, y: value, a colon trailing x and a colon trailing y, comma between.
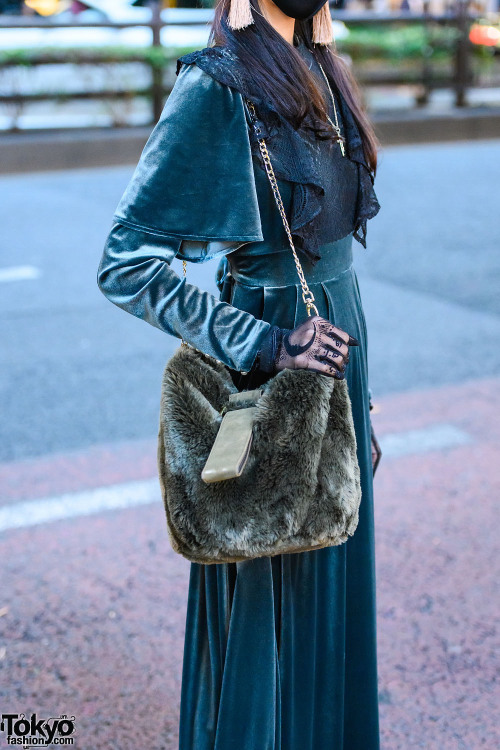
x: 280, y: 652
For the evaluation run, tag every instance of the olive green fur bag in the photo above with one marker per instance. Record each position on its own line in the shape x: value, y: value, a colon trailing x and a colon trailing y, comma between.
x: 300, y: 487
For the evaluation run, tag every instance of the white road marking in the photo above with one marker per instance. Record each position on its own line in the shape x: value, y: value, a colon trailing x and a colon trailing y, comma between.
x: 74, y: 504
x: 131, y: 494
x: 435, y: 438
x: 19, y: 273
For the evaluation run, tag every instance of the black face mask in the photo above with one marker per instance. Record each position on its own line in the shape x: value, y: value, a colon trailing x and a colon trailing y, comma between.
x: 299, y: 9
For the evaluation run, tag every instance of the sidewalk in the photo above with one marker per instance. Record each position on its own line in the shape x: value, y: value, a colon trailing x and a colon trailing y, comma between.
x: 104, y: 641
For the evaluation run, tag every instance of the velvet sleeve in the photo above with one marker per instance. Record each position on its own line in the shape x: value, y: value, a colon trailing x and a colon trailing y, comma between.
x: 135, y: 274
x: 192, y: 196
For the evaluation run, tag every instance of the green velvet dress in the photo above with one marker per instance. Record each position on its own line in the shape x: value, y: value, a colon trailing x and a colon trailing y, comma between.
x: 280, y: 652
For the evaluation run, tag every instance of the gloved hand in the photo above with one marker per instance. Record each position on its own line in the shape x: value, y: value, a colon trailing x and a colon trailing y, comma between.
x: 316, y: 344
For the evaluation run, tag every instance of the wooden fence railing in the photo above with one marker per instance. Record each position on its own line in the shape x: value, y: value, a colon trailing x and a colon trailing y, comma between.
x: 459, y: 77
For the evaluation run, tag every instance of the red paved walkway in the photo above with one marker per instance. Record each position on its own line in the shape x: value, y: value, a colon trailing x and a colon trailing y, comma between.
x: 92, y: 609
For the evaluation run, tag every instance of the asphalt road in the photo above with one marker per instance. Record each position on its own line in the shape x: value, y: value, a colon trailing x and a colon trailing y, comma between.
x: 76, y: 370
x: 93, y: 599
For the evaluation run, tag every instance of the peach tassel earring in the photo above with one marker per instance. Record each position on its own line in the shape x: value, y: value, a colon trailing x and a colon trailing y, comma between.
x: 240, y: 14
x: 322, y: 26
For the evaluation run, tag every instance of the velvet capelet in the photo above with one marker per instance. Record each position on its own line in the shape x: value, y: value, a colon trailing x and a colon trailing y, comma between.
x: 195, y: 180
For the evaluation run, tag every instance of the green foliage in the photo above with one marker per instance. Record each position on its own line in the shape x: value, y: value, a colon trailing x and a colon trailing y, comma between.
x: 397, y: 43
x: 159, y: 57
x: 392, y: 44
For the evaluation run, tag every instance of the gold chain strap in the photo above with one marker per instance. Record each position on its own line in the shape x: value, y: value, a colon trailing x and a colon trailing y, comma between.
x: 307, y: 295
x: 184, y: 270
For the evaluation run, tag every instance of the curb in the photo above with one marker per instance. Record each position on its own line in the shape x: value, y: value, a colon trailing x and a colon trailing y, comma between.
x: 104, y: 147
x: 74, y: 149
x: 420, y: 126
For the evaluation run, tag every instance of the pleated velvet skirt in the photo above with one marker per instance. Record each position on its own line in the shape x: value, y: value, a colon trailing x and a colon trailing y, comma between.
x: 280, y: 652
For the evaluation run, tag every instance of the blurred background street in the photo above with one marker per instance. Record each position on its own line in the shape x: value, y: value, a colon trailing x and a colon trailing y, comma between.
x: 93, y: 599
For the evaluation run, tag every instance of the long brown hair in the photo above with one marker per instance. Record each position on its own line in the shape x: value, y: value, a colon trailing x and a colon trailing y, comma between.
x: 279, y: 70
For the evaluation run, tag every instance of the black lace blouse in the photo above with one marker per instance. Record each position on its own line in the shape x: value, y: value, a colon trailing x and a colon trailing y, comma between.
x: 331, y: 196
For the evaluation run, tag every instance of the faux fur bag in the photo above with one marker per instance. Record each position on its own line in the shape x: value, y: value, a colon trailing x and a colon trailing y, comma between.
x: 300, y: 488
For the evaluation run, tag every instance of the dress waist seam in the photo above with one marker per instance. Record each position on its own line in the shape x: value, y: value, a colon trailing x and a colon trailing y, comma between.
x: 243, y: 281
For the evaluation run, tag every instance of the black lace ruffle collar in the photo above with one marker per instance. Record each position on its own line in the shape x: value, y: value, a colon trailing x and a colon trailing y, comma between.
x: 292, y: 159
